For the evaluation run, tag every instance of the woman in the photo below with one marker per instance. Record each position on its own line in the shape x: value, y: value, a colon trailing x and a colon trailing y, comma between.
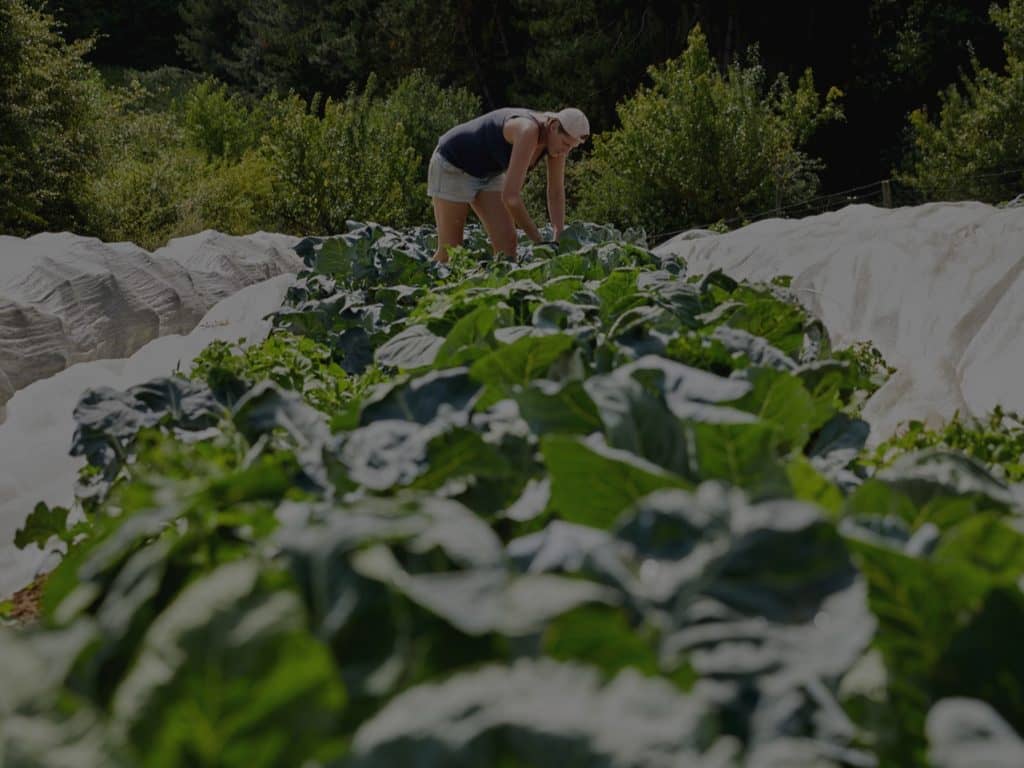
x: 482, y: 164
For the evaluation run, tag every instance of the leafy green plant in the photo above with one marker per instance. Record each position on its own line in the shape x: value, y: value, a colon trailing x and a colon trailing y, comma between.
x: 297, y: 363
x: 586, y: 480
x: 229, y: 197
x: 997, y: 441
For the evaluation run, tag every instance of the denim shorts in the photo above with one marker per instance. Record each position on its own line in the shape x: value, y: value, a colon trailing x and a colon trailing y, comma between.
x: 449, y: 182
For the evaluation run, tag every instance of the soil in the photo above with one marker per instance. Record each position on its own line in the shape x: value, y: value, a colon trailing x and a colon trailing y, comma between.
x: 26, y: 602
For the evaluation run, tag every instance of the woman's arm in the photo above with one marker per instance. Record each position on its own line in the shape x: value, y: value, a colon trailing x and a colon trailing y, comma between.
x: 524, y: 135
x: 556, y: 193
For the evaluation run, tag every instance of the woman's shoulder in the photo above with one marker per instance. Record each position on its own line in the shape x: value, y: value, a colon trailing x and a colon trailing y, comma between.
x: 523, y: 112
x: 521, y: 122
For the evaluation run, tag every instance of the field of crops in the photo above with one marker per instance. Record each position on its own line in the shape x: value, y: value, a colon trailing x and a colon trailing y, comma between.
x: 583, y: 510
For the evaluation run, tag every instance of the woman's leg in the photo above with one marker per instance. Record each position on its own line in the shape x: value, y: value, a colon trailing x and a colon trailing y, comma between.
x: 497, y: 221
x: 451, y: 220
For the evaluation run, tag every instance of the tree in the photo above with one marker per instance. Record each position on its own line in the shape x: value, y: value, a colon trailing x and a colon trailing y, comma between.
x: 424, y: 110
x: 349, y: 164
x: 698, y: 146
x: 975, y: 150
x: 592, y: 53
x: 51, y: 105
x: 475, y: 45
x: 129, y: 33
x: 210, y: 31
x: 283, y: 46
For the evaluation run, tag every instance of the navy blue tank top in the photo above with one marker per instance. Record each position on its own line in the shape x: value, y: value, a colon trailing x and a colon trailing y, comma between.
x: 478, y: 147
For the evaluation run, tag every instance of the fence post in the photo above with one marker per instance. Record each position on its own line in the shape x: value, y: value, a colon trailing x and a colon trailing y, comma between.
x: 887, y: 194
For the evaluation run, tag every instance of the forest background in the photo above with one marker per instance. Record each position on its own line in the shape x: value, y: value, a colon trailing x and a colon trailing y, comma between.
x: 152, y: 119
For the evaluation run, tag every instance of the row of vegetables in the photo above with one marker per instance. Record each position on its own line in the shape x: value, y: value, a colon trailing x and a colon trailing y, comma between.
x: 580, y: 509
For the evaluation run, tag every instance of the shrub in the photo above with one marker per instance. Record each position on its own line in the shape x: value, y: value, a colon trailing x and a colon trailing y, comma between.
x: 230, y: 197
x: 350, y: 164
x: 698, y: 146
x: 976, y: 148
x: 51, y: 104
x: 140, y: 199
x: 143, y: 170
x: 219, y: 123
x: 424, y: 110
x: 155, y: 90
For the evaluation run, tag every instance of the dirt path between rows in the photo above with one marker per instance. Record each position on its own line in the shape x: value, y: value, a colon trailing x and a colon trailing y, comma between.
x: 26, y: 602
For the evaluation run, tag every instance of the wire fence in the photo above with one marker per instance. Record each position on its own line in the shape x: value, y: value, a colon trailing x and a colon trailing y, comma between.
x: 884, y: 193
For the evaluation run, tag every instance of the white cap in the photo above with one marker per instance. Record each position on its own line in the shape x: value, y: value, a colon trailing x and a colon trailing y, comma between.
x: 573, y: 121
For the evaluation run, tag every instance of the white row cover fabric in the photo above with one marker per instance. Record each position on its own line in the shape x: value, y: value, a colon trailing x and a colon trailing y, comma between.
x: 937, y: 288
x: 35, y: 464
x: 66, y: 299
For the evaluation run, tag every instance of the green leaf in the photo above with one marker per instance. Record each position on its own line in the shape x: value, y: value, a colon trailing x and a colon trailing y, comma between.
x: 550, y: 407
x: 923, y: 475
x: 913, y: 628
x: 986, y: 543
x: 349, y: 258
x: 542, y: 714
x: 745, y: 455
x: 983, y: 659
x: 460, y: 453
x: 838, y: 443
x: 41, y: 525
x: 592, y: 484
x: 825, y: 380
x: 752, y: 349
x: 484, y: 600
x: 559, y: 315
x: 603, y: 637
x: 415, y: 347
x: 778, y: 323
x: 470, y: 338
x: 562, y: 288
x: 618, y: 293
x: 519, y: 363
x: 778, y: 398
x: 638, y: 420
x: 421, y: 399
x: 810, y: 485
x: 873, y: 498
x: 228, y: 676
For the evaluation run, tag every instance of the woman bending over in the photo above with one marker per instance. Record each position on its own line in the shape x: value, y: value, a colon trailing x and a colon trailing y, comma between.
x: 482, y: 164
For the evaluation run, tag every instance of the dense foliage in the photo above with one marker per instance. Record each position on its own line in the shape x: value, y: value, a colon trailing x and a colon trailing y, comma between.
x: 51, y: 105
x: 888, y: 56
x: 191, y: 154
x: 581, y: 509
x: 975, y: 148
x: 365, y: 158
x: 713, y: 131
x: 699, y: 146
x: 139, y: 34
